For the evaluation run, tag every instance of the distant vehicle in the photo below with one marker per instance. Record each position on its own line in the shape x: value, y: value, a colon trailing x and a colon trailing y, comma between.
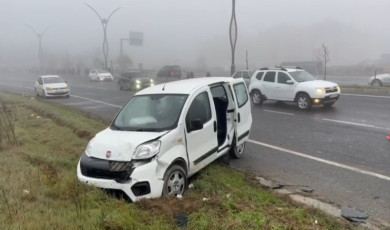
x: 292, y: 85
x: 167, y: 133
x: 100, y: 75
x: 170, y: 71
x: 245, y: 74
x: 379, y: 80
x: 51, y: 86
x: 134, y: 80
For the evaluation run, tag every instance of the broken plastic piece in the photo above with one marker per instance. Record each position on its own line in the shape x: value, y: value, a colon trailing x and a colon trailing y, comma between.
x: 307, y: 189
x: 181, y: 220
x: 353, y: 215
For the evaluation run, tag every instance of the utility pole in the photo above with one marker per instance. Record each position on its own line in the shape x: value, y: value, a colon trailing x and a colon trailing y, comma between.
x: 104, y: 22
x: 40, y: 50
x: 233, y: 35
x: 247, y: 60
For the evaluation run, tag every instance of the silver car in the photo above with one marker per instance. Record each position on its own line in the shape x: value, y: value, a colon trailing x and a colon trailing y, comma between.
x: 245, y: 74
x: 379, y: 80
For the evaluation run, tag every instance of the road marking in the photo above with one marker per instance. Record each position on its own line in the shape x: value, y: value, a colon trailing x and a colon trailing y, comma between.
x: 350, y: 123
x: 362, y: 95
x: 273, y: 111
x: 351, y: 168
x: 101, y: 102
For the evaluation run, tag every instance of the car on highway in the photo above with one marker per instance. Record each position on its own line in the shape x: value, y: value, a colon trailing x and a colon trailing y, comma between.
x: 100, y: 75
x: 379, y: 80
x: 170, y: 71
x: 292, y: 85
x: 166, y: 133
x: 51, y: 86
x: 134, y: 81
x: 244, y: 74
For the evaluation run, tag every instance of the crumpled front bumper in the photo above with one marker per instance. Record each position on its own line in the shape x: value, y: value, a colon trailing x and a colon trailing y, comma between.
x: 141, y: 182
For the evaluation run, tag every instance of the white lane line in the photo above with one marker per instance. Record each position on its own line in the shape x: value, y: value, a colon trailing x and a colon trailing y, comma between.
x: 101, y: 102
x: 363, y: 95
x: 273, y: 111
x: 351, y: 168
x: 350, y: 123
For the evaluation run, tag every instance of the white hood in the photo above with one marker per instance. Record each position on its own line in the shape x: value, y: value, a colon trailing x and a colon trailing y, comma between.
x: 121, y: 144
x: 57, y: 85
x: 318, y: 84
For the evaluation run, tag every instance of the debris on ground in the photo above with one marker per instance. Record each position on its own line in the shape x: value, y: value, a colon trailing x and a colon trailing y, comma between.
x: 228, y: 195
x: 25, y: 191
x: 353, y: 215
x: 205, y: 199
x: 307, y: 189
x: 191, y: 185
x: 181, y: 220
x: 179, y: 196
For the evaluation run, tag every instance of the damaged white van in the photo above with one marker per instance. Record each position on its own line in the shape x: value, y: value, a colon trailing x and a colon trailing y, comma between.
x: 166, y: 133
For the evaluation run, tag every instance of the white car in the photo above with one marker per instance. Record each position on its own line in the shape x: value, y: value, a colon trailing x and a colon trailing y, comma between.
x: 165, y: 134
x: 379, y: 80
x: 292, y: 85
x: 51, y: 86
x: 100, y: 75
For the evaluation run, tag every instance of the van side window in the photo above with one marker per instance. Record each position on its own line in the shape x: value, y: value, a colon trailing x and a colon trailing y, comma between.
x: 241, y: 94
x: 270, y: 76
x: 219, y: 91
x: 259, y: 75
x: 199, y: 109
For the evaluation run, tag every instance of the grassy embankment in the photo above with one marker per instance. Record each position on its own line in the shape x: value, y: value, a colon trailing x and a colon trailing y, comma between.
x: 39, y: 188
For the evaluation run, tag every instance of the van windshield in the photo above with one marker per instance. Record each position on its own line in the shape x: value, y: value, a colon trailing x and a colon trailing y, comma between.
x: 150, y: 113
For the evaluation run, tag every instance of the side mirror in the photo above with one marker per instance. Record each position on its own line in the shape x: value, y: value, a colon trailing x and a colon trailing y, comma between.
x: 290, y: 82
x: 196, y: 124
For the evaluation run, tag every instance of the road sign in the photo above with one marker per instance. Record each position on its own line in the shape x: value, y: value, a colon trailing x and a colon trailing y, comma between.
x: 136, y: 38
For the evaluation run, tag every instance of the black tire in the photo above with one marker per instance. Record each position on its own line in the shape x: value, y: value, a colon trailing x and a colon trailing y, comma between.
x: 235, y: 151
x: 175, y: 181
x: 304, y: 102
x: 376, y: 83
x: 257, y: 97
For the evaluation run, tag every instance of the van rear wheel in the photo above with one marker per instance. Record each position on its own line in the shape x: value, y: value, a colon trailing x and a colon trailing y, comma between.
x: 175, y: 181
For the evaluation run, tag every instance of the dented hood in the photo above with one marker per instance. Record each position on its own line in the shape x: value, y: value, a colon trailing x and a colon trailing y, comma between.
x: 121, y: 144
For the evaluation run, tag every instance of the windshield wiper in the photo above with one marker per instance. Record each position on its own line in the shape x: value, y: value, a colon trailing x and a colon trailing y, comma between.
x: 146, y: 130
x: 116, y: 127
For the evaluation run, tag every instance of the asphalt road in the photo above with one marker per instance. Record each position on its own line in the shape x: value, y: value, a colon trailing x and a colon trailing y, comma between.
x: 340, y: 152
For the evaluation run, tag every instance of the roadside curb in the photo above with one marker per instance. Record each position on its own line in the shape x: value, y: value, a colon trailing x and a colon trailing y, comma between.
x: 328, y: 208
x: 367, y: 91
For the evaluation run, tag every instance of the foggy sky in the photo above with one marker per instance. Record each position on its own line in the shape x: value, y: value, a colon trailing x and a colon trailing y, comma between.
x: 196, y: 32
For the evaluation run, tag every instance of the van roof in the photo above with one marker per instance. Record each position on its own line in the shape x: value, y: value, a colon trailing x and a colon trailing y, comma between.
x: 187, y: 86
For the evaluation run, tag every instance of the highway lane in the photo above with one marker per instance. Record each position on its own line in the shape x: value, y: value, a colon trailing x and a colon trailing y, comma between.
x: 351, y: 134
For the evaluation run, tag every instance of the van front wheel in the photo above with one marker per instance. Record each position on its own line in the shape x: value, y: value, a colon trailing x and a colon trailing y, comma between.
x: 236, y: 151
x: 175, y: 181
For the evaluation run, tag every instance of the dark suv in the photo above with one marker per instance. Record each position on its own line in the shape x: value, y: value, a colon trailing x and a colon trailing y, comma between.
x: 170, y: 71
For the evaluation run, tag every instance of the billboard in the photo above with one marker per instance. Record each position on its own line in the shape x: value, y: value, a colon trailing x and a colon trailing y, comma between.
x: 136, y: 38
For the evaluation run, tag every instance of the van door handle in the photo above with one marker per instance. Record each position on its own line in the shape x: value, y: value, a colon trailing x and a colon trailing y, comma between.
x: 239, y: 118
x: 215, y: 126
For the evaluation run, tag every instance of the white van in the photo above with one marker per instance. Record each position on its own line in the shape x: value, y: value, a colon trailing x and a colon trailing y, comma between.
x: 166, y: 133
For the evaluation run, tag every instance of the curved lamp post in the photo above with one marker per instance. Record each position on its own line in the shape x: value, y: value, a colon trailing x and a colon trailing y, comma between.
x: 233, y: 35
x: 104, y: 22
x: 40, y: 51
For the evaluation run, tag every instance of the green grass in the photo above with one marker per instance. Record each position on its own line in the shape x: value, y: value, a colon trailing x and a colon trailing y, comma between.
x: 39, y: 188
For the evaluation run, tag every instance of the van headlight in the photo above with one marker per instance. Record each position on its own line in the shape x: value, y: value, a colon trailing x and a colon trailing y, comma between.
x: 88, y: 150
x: 138, y: 81
x: 320, y: 91
x: 147, y: 150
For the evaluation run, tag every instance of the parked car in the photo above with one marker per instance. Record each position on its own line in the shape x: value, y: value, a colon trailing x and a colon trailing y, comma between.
x: 134, y: 80
x: 245, y: 74
x: 51, y: 86
x: 379, y: 80
x: 100, y: 75
x: 170, y: 71
x: 166, y: 133
x: 292, y: 85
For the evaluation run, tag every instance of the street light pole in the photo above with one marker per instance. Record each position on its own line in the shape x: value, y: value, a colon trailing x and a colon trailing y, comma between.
x: 40, y: 50
x: 233, y: 35
x: 104, y: 22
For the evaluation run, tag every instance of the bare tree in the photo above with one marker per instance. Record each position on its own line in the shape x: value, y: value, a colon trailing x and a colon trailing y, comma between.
x: 323, y: 56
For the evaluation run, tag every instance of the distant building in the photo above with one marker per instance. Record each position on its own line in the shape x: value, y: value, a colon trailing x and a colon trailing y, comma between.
x: 313, y: 67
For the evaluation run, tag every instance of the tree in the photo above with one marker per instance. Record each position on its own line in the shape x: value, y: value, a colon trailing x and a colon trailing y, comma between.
x: 323, y: 56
